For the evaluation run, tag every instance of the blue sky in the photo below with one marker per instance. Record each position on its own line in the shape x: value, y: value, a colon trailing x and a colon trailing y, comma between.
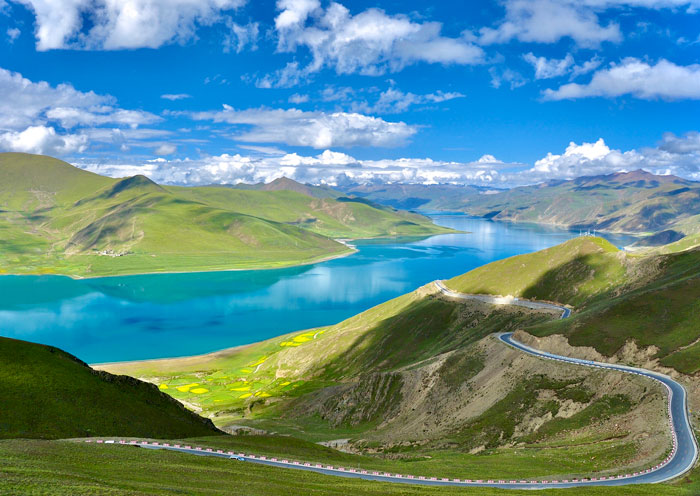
x: 503, y: 93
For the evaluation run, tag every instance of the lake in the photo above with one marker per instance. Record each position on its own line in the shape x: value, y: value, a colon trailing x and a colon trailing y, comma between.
x: 168, y: 315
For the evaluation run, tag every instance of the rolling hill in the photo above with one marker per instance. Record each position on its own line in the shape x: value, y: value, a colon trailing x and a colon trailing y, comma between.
x: 55, y: 218
x: 49, y: 394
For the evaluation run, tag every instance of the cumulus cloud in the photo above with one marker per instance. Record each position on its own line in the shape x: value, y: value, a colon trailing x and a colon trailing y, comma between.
x: 681, y: 145
x: 678, y: 155
x: 640, y: 79
x: 38, y: 117
x: 588, y: 66
x: 315, y: 129
x: 118, y: 24
x: 370, y: 42
x: 296, y: 98
x: 331, y: 168
x: 548, y: 21
x: 25, y: 103
x: 549, y: 68
x: 43, y: 140
x: 165, y: 149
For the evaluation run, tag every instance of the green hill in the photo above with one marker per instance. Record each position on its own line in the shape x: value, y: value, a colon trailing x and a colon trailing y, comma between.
x: 569, y: 273
x: 55, y: 218
x: 50, y: 394
x: 661, y: 311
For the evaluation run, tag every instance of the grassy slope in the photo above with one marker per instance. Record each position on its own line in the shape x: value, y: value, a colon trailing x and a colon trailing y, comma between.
x: 275, y: 385
x: 297, y: 364
x: 660, y: 309
x: 664, y: 313
x: 55, y: 218
x: 569, y: 273
x: 51, y: 394
x: 28, y: 468
x: 336, y: 218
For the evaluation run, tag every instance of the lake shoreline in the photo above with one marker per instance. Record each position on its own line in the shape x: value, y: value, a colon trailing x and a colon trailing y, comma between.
x: 343, y: 254
x: 126, y: 319
x: 351, y: 250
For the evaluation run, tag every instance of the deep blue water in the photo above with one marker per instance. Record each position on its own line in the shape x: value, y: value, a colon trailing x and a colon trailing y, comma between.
x: 167, y: 315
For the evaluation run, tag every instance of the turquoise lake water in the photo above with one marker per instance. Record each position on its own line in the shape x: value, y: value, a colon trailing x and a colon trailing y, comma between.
x: 168, y: 315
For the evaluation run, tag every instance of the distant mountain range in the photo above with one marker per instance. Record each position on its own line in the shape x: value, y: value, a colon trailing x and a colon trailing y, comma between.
x: 423, y: 197
x: 635, y: 202
x: 56, y: 218
x: 625, y: 202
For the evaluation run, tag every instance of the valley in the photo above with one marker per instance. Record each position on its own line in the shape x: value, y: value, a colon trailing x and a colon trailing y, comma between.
x: 447, y: 390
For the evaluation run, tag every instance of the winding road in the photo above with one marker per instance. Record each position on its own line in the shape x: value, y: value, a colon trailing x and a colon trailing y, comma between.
x: 680, y: 459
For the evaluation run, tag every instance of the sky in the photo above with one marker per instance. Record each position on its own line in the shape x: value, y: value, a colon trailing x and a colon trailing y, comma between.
x: 493, y: 93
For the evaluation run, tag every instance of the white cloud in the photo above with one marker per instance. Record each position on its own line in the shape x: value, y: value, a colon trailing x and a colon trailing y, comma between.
x: 315, y: 129
x: 679, y: 155
x: 117, y: 24
x: 175, y: 96
x: 588, y: 66
x: 394, y: 101
x: 548, y: 21
x: 500, y: 76
x: 165, y: 149
x: 32, y: 113
x: 334, y: 94
x: 637, y: 78
x: 593, y: 157
x: 12, y: 33
x: 675, y: 155
x: 681, y: 145
x: 42, y: 140
x: 296, y: 98
x: 25, y: 103
x: 241, y: 36
x: 549, y: 68
x: 329, y: 167
x: 70, y: 117
x: 370, y: 42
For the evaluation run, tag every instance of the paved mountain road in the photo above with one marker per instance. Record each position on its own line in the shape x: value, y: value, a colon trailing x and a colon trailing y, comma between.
x: 680, y: 459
